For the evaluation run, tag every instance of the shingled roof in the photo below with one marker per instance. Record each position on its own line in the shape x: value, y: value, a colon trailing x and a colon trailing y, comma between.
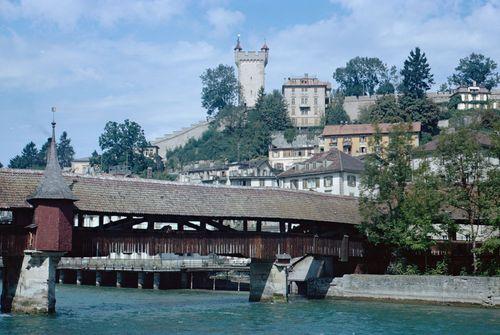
x: 134, y: 196
x: 52, y: 185
x: 326, y: 162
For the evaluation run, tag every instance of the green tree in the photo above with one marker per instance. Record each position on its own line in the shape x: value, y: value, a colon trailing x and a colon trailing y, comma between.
x: 399, y: 206
x: 272, y: 111
x: 389, y: 81
x: 385, y: 109
x: 219, y: 88
x: 464, y: 164
x: 416, y: 74
x: 1, y: 165
x: 478, y: 68
x: 122, y: 144
x: 65, y: 151
x: 335, y: 112
x: 362, y: 76
x: 422, y: 110
x: 28, y: 159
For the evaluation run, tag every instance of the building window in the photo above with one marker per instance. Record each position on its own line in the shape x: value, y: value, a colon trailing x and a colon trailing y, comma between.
x: 304, y: 184
x: 311, y: 183
x: 363, y: 150
x: 294, y: 184
x: 278, y: 166
x: 293, y: 89
x: 362, y: 139
x: 318, y: 182
x: 304, y: 89
x: 315, y: 100
x: 351, y: 180
x: 328, y: 181
x: 304, y: 111
x: 315, y: 90
x: 262, y: 182
x: 293, y: 101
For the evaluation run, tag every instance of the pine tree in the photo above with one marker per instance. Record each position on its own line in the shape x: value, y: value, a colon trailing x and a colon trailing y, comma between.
x: 335, y: 112
x: 416, y: 73
x: 29, y: 158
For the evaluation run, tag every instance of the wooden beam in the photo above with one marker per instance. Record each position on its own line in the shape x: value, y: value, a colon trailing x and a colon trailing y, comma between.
x: 220, y: 226
x: 245, y: 225
x: 282, y: 227
x: 127, y: 222
x: 258, y: 227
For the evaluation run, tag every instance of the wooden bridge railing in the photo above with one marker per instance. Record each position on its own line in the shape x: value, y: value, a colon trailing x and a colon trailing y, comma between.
x: 254, y: 245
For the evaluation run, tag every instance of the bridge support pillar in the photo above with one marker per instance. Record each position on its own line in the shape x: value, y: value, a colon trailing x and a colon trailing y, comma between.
x: 140, y: 279
x: 184, y: 280
x: 79, y: 277
x: 156, y: 281
x: 119, y: 279
x: 98, y: 278
x: 62, y: 274
x: 29, y: 282
x: 268, y: 281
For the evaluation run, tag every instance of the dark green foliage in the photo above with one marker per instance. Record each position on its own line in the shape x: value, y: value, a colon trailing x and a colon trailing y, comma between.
x: 335, y: 113
x: 478, y: 68
x: 406, y: 109
x: 28, y: 159
x: 364, y: 76
x: 464, y: 163
x: 416, y: 75
x: 385, y: 109
x: 219, y: 88
x: 246, y: 133
x: 423, y: 110
x: 399, y: 206
x: 1, y: 165
x: 122, y: 144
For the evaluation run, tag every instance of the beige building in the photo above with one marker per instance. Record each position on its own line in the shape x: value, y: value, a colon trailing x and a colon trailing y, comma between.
x: 474, y: 97
x: 251, y: 72
x: 283, y: 154
x: 306, y: 98
x: 357, y: 139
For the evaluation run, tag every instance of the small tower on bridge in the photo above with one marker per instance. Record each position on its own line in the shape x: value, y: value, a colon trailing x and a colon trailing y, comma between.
x: 29, y: 280
x: 53, y: 204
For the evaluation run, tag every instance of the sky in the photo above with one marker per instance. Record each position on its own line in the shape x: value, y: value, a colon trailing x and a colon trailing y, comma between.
x: 111, y: 60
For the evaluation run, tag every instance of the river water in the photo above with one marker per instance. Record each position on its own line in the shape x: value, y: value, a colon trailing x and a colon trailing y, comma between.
x: 108, y: 310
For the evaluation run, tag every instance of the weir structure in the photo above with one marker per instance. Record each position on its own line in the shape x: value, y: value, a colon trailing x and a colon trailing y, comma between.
x: 148, y: 216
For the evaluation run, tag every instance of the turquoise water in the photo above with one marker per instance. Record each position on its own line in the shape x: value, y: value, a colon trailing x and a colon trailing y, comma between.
x: 91, y: 310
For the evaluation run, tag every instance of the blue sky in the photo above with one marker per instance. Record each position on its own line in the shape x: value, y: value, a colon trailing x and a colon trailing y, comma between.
x: 116, y: 59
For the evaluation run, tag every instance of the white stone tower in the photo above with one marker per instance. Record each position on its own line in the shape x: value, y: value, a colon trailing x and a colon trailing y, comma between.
x: 251, y: 74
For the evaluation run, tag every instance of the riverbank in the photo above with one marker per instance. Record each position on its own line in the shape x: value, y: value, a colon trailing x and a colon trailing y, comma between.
x: 108, y: 310
x: 460, y: 290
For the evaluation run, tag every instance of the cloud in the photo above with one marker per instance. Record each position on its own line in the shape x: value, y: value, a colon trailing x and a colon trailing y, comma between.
x: 445, y: 30
x: 224, y: 20
x: 68, y: 13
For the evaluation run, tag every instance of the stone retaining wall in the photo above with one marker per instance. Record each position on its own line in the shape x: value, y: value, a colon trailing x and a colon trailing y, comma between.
x: 440, y: 289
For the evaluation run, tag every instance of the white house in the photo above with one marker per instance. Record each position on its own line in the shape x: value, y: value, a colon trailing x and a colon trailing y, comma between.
x: 331, y: 172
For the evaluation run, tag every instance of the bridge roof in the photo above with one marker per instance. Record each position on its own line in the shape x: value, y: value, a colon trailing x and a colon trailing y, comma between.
x: 134, y: 196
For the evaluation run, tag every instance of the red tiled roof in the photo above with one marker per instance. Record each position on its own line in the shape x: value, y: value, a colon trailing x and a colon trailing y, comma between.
x: 360, y: 129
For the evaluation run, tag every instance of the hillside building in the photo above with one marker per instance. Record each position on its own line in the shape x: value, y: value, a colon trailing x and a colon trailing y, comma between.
x: 253, y: 173
x: 283, y: 154
x: 357, y: 139
x: 251, y: 72
x: 332, y: 172
x: 306, y: 98
x: 474, y: 97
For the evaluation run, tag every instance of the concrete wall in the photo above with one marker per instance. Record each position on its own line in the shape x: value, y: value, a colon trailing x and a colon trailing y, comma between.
x: 179, y: 138
x: 268, y: 282
x: 439, y: 289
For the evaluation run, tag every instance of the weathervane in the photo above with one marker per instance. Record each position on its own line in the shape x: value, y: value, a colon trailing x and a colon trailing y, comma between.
x: 53, y: 117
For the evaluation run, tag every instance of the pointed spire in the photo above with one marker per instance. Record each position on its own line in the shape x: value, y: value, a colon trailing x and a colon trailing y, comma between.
x: 238, y: 45
x: 265, y: 47
x: 53, y: 185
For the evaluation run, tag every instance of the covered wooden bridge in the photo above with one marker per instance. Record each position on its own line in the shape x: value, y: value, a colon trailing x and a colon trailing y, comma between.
x: 307, y: 222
